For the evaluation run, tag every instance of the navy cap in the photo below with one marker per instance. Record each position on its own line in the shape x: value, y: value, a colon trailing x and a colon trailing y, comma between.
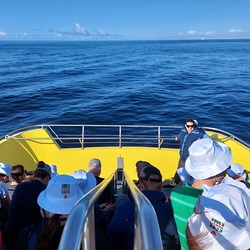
x: 150, y: 173
x: 41, y: 166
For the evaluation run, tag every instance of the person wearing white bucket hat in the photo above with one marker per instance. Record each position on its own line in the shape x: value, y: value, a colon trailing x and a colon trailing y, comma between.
x: 222, y: 218
x: 184, y: 176
x: 60, y: 195
x: 207, y: 164
x: 86, y: 181
x: 237, y: 172
x: 56, y: 202
x: 207, y: 159
x: 190, y: 132
x: 5, y: 172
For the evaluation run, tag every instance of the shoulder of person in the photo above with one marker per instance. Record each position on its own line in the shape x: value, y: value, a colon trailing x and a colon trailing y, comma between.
x: 183, y: 130
x: 3, y: 185
x: 28, y: 234
x: 99, y: 179
x: 200, y: 129
x: 24, y: 236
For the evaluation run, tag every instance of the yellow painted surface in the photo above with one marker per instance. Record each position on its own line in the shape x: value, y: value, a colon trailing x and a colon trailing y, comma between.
x: 29, y: 152
x: 240, y: 153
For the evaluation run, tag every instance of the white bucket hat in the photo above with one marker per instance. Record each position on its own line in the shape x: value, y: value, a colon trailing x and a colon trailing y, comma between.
x: 207, y: 158
x: 5, y: 169
x: 53, y: 171
x: 223, y: 217
x: 184, y: 176
x: 236, y: 170
x: 60, y: 195
x: 86, y: 181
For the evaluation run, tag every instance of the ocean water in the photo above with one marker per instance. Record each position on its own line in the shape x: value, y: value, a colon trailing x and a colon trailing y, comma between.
x: 126, y: 82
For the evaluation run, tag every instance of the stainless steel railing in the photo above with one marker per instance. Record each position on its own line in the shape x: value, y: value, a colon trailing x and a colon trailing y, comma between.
x: 80, y: 227
x: 114, y: 135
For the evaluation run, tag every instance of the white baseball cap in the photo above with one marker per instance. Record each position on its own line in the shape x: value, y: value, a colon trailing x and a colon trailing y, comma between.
x: 236, y: 170
x: 86, y: 181
x: 60, y: 195
x: 207, y: 158
x: 223, y: 217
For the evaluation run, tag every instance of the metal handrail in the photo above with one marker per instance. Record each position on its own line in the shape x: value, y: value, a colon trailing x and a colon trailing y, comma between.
x: 79, y: 228
x: 147, y: 232
x: 159, y: 136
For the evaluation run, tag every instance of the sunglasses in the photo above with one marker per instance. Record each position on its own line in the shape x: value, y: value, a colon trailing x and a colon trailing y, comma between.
x: 189, y: 126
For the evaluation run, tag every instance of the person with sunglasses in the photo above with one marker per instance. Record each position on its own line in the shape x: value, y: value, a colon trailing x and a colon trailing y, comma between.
x: 190, y: 132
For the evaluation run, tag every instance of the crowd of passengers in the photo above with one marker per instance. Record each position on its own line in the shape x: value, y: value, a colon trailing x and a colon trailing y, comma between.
x: 209, y: 209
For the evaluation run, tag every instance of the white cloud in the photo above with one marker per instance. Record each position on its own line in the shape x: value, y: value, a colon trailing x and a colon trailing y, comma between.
x: 209, y: 33
x: 2, y: 34
x: 193, y: 32
x: 80, y: 30
x: 102, y: 33
x: 235, y: 31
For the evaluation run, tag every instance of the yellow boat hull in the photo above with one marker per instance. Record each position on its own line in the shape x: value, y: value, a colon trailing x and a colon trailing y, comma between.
x: 29, y: 147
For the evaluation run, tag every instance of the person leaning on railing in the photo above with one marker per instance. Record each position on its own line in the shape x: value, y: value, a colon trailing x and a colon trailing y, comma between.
x: 191, y: 132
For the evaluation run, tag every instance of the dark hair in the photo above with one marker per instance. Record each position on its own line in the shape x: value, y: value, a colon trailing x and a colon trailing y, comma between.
x: 50, y: 235
x: 190, y: 120
x: 31, y: 172
x: 17, y: 173
x: 40, y: 174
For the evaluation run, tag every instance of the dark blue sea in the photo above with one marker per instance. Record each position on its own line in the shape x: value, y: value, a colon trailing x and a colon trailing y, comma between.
x: 126, y: 82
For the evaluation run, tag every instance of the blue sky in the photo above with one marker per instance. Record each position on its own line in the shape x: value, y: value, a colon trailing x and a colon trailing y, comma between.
x: 124, y: 19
